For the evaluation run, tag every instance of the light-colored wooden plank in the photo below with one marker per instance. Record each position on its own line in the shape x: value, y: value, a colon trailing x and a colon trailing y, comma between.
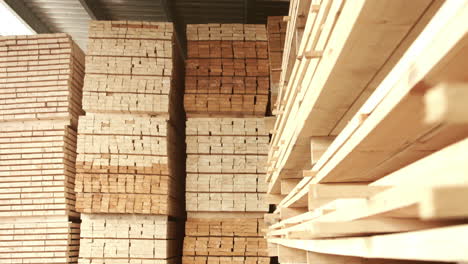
x: 405, y: 103
x: 426, y: 245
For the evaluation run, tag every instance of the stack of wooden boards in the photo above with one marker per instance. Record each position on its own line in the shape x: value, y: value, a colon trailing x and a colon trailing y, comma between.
x: 225, y: 190
x: 276, y: 34
x: 41, y: 80
x: 393, y: 184
x: 333, y: 70
x: 126, y: 238
x: 227, y: 70
x: 130, y: 146
x: 226, y: 164
x: 224, y: 239
x: 226, y: 84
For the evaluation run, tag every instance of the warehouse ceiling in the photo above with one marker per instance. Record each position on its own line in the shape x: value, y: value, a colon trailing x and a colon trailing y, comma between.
x: 72, y: 16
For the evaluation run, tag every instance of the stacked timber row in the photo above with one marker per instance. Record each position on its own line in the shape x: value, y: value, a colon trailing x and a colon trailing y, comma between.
x: 129, y: 177
x: 225, y: 190
x: 226, y: 96
x: 41, y: 80
x: 227, y: 70
x: 276, y: 33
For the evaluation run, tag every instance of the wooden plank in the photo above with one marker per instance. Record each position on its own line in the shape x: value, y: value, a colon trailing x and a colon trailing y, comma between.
x: 426, y: 245
x: 298, y: 197
x: 274, y: 198
x: 318, y: 146
x: 406, y: 97
x: 316, y: 229
x: 344, y: 34
x: 320, y: 194
x: 286, y: 213
x: 386, y: 68
x: 287, y: 185
x: 321, y: 27
x: 414, y: 185
x: 291, y: 255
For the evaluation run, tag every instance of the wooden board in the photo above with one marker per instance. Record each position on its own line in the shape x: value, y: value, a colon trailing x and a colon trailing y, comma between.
x: 124, y: 237
x: 404, y: 90
x: 213, y: 31
x: 227, y: 70
x: 225, y: 227
x: 41, y: 78
x: 313, y: 118
x: 130, y: 68
x: 225, y: 164
x: 426, y: 245
x: 39, y: 242
x: 225, y: 246
x: 224, y: 260
x: 276, y: 34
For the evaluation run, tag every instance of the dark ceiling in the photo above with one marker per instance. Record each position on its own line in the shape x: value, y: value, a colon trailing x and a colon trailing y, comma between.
x: 72, y: 16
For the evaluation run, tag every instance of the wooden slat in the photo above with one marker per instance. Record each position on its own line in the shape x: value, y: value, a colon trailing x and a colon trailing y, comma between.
x: 313, y: 118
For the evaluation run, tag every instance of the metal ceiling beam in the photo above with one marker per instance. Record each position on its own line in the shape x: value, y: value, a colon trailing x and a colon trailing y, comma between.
x: 249, y: 11
x: 94, y: 10
x: 28, y: 16
x: 178, y: 27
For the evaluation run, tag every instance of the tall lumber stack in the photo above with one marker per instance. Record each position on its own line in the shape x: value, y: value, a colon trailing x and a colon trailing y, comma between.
x: 276, y: 33
x: 227, y: 70
x: 41, y: 80
x: 226, y: 146
x: 130, y: 148
x: 392, y: 185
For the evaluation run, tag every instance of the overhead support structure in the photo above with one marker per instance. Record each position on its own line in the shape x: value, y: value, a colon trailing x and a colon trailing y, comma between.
x: 94, y: 10
x: 249, y: 11
x: 28, y: 16
x: 168, y: 9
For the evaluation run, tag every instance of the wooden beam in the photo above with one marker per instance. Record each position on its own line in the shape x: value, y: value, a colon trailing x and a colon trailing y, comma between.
x: 317, y: 229
x: 426, y: 245
x: 438, y: 55
x: 286, y: 213
x: 271, y: 219
x: 417, y: 191
x: 287, y: 185
x: 318, y: 146
x: 445, y: 202
x: 320, y: 194
x: 25, y: 13
x: 274, y: 198
x: 298, y: 196
x: 319, y: 116
x: 318, y: 258
x: 94, y: 10
x: 291, y: 255
x: 295, y: 220
x: 387, y: 67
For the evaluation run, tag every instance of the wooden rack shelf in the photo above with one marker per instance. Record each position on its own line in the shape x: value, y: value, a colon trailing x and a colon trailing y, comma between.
x: 391, y: 184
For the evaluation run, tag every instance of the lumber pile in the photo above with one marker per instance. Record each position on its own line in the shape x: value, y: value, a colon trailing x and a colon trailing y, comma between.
x: 276, y: 34
x: 224, y: 151
x: 333, y: 70
x: 124, y: 166
x: 40, y: 84
x: 225, y: 190
x: 227, y: 70
x: 125, y: 238
x: 41, y: 78
x: 363, y: 200
x: 225, y: 240
x: 130, y: 152
x: 130, y: 68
